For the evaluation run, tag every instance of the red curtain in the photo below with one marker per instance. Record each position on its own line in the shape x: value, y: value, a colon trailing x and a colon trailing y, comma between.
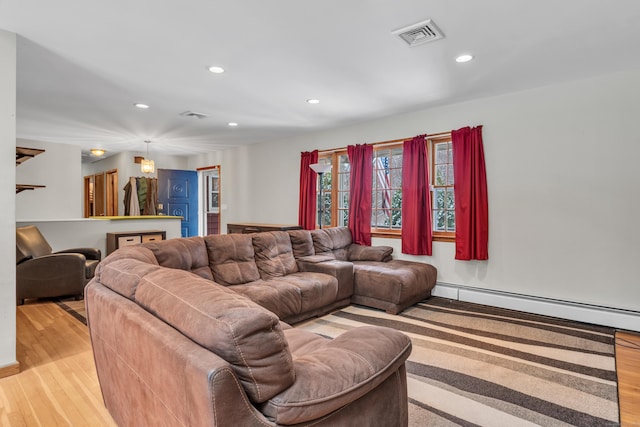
x: 307, y: 209
x: 361, y: 183
x: 416, y: 204
x: 472, y: 207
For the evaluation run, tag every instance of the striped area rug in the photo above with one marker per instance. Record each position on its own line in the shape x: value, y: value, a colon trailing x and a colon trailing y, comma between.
x: 474, y: 365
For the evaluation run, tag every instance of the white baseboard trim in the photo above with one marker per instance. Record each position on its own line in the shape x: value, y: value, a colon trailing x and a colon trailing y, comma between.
x: 605, y: 316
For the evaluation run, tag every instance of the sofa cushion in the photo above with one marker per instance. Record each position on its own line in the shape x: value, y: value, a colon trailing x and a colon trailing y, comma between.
x: 123, y: 274
x: 369, y: 253
x: 334, y: 240
x: 238, y: 330
x: 301, y: 243
x: 316, y: 289
x: 274, y: 254
x: 334, y: 373
x: 231, y: 259
x: 189, y: 254
x: 322, y: 243
x: 281, y: 298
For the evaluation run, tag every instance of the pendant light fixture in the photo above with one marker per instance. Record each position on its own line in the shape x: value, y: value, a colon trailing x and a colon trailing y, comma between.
x: 147, y: 165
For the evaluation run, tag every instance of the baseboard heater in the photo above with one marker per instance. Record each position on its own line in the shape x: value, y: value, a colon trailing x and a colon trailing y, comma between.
x: 597, y: 315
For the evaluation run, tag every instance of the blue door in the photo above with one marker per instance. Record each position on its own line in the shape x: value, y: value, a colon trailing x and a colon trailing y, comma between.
x: 178, y: 195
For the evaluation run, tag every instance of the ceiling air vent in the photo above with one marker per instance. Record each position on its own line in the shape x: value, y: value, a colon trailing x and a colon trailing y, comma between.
x: 193, y: 114
x: 422, y: 32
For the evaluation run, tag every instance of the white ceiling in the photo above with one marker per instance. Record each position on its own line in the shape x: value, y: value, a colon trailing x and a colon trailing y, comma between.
x: 82, y: 64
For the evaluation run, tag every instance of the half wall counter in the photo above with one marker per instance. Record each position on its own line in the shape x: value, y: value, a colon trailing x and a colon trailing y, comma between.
x: 92, y: 232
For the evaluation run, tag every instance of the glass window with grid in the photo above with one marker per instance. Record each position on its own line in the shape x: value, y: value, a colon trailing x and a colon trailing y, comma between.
x: 442, y: 196
x: 386, y: 218
x: 386, y: 214
x: 324, y: 195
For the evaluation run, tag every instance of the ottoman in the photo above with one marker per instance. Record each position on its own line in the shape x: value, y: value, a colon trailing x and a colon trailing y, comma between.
x: 393, y: 285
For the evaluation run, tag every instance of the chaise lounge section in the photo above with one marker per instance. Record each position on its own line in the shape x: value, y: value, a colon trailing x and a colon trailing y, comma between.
x: 378, y: 280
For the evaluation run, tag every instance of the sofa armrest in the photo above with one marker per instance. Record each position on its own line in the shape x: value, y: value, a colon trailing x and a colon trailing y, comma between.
x: 338, y: 372
x: 369, y: 253
x: 341, y: 270
x: 89, y: 253
x: 55, y: 273
x: 52, y: 267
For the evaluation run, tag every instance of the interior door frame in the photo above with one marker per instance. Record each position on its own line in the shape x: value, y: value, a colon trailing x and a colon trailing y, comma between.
x: 101, y: 194
x: 203, y: 202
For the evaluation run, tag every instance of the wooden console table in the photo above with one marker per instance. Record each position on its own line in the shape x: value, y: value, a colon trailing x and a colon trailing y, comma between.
x: 250, y: 227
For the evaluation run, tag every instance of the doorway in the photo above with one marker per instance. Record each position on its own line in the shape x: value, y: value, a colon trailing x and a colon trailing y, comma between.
x: 101, y: 194
x: 209, y: 200
x: 178, y: 196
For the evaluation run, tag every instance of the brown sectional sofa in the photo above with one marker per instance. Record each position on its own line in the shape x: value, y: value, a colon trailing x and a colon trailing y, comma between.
x: 205, y: 341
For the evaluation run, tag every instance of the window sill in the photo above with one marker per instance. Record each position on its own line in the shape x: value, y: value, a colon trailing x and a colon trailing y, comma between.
x: 397, y: 234
x: 442, y: 237
x: 388, y: 234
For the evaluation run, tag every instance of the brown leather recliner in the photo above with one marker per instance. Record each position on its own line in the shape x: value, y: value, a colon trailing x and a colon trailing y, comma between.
x: 41, y: 273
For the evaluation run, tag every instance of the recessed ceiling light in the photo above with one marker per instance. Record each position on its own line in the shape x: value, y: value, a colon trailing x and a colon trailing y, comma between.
x: 139, y: 105
x: 313, y: 101
x: 464, y: 58
x: 216, y: 70
x: 97, y: 152
x: 232, y: 124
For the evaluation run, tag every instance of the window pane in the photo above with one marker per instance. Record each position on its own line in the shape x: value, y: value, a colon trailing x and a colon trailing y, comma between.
x: 396, y: 158
x: 441, y: 174
x: 396, y: 178
x: 344, y: 164
x: 326, y: 181
x: 441, y: 154
x: 449, y: 153
x: 380, y: 218
x: 396, y: 218
x: 450, y: 175
x: 439, y: 198
x: 344, y: 182
x: 439, y: 220
x: 343, y: 218
x: 326, y: 218
x: 451, y: 223
x: 451, y: 201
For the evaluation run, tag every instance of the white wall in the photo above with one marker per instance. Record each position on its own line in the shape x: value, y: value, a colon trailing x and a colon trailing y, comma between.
x: 92, y: 233
x: 7, y: 199
x: 562, y: 167
x: 58, y: 168
x: 124, y: 163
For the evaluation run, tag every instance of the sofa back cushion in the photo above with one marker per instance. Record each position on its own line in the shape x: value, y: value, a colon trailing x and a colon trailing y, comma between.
x: 274, y: 254
x: 233, y: 327
x: 334, y: 241
x: 122, y: 270
x: 231, y: 259
x: 301, y: 243
x: 30, y: 243
x: 189, y: 254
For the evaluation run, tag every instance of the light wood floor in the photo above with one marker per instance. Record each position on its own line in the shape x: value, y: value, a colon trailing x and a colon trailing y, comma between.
x: 57, y: 385
x: 628, y: 367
